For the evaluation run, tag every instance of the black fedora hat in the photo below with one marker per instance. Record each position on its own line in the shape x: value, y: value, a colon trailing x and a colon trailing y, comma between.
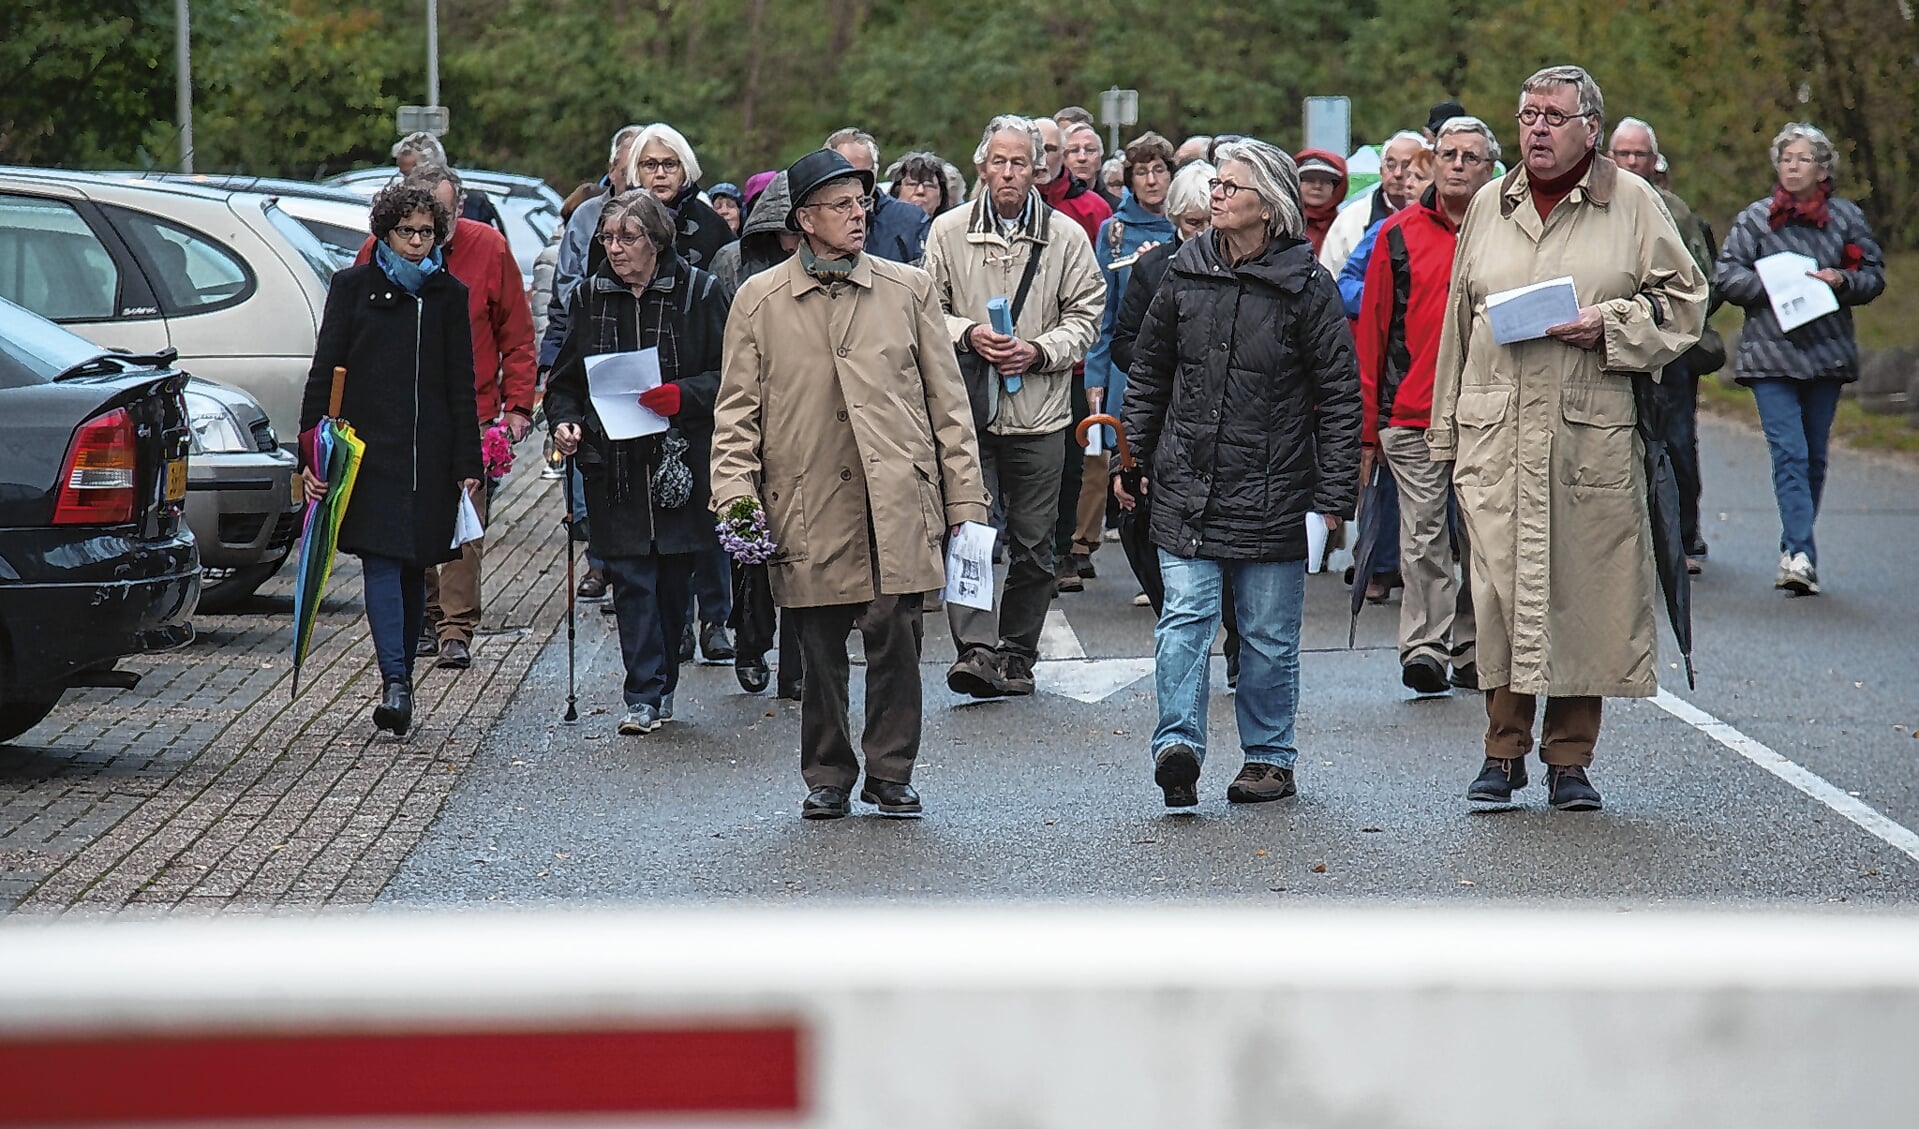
x: 814, y: 171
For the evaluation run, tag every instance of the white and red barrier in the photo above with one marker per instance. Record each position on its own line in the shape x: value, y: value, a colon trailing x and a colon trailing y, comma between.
x: 1168, y: 1016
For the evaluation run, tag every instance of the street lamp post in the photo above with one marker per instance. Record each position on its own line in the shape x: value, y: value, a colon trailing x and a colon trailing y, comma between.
x: 183, y: 63
x: 432, y: 52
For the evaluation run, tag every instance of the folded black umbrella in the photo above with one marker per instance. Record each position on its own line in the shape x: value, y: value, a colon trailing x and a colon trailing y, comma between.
x: 754, y: 620
x: 1367, y: 543
x: 1662, y: 497
x: 1136, y: 523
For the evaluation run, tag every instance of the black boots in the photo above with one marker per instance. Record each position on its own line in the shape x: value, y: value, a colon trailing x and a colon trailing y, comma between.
x: 395, y: 711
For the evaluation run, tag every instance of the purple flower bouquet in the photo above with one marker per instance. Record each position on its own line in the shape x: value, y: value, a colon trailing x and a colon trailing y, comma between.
x: 743, y: 533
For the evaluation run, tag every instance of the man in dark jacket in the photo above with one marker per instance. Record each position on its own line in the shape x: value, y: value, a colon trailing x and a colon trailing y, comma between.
x: 896, y: 230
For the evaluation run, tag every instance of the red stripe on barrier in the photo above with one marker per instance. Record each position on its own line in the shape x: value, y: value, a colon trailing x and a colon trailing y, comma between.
x: 744, y: 1069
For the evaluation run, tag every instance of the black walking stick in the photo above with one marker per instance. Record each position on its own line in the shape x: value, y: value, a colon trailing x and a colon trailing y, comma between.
x: 572, y: 593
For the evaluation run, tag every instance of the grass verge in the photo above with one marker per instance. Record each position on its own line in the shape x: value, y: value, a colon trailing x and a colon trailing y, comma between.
x: 1853, y: 427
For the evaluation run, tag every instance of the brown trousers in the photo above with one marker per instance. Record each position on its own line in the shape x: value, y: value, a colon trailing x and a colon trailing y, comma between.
x: 892, y: 628
x: 1570, y: 731
x: 453, y: 589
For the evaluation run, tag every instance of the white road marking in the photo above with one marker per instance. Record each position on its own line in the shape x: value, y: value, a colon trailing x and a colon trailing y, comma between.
x: 1057, y: 639
x: 1868, y: 818
x: 1090, y: 680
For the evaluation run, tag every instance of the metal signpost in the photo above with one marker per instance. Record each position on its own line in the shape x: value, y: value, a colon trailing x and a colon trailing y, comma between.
x: 1329, y: 124
x: 417, y: 119
x: 1117, y: 108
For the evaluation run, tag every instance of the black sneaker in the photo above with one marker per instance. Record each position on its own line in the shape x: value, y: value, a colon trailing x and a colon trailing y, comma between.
x: 1176, y: 771
x: 1568, y: 789
x: 1497, y: 782
x: 1424, y: 674
x: 1083, y: 562
x: 1466, y: 677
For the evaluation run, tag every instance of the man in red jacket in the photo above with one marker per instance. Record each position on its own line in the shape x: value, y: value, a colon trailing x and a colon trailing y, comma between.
x: 503, y: 379
x: 1400, y: 316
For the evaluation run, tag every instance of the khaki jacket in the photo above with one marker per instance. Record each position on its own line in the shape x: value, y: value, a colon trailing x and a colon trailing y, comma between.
x: 1549, y: 469
x: 837, y: 408
x: 971, y: 261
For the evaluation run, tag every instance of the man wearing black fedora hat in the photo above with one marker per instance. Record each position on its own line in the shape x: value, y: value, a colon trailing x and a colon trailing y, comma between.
x: 842, y: 413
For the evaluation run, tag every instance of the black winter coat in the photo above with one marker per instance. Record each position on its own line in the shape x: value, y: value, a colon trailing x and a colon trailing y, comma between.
x: 409, y: 396
x: 1243, y: 403
x: 1148, y: 272
x: 684, y: 315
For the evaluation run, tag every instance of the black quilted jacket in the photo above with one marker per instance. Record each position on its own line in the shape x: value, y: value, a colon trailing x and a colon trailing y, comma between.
x: 1243, y: 403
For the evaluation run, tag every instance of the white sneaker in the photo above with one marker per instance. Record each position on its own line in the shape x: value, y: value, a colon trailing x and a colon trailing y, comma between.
x: 639, y: 721
x: 1140, y: 601
x: 1799, y: 577
x: 1785, y: 572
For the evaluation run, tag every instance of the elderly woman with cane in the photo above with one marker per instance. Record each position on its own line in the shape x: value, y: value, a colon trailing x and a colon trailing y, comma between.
x: 646, y: 496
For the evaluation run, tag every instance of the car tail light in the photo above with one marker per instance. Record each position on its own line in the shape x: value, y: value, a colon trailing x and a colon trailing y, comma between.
x: 98, y: 481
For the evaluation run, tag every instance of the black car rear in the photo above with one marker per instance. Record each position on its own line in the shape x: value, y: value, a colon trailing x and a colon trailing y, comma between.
x: 96, y: 561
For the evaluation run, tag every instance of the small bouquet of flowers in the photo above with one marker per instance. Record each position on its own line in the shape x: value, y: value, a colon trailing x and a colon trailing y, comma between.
x: 743, y: 533
x: 496, y: 451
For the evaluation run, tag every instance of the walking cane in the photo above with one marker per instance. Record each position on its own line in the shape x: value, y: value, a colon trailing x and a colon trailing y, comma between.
x: 572, y: 593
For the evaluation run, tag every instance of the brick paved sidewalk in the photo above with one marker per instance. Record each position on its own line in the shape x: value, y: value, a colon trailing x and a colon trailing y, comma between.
x: 209, y: 786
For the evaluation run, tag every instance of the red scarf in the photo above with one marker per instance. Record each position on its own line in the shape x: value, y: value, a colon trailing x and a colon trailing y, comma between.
x: 1319, y: 220
x: 1786, y: 207
x: 1548, y: 193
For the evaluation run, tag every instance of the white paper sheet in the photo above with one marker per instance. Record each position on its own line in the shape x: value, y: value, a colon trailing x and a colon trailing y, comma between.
x: 1316, y: 532
x: 1527, y: 313
x: 969, y: 566
x: 615, y: 381
x: 1796, y: 296
x: 466, y: 522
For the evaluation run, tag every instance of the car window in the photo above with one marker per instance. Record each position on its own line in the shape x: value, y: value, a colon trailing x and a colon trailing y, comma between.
x: 33, y: 350
x: 193, y: 273
x: 313, y: 240
x: 52, y: 263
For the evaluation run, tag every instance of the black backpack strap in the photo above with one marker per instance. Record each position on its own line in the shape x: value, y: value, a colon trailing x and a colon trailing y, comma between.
x: 1026, y: 281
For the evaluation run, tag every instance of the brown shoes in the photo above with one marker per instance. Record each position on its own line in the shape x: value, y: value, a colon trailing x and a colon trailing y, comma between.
x: 1261, y: 783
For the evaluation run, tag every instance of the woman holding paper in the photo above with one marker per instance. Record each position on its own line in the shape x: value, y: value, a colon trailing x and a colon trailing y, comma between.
x: 1798, y: 261
x: 646, y: 472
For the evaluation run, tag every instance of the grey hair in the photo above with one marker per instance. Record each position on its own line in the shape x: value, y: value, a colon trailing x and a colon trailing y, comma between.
x: 1467, y: 124
x: 1641, y: 123
x: 1011, y: 123
x: 429, y: 175
x: 1591, y: 101
x: 955, y: 184
x: 671, y: 138
x: 1822, y: 150
x: 643, y: 208
x: 1411, y: 135
x: 620, y: 140
x: 1275, y: 180
x: 1069, y: 130
x: 1191, y: 190
x: 1205, y: 139
x: 423, y: 145
x: 1111, y: 169
x: 852, y: 136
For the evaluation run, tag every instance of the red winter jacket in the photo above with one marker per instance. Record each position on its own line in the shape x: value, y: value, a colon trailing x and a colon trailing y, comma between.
x: 503, y: 364
x: 1400, y: 316
x: 1073, y: 199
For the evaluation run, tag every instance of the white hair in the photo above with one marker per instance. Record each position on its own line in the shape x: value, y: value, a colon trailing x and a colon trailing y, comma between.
x: 1411, y: 135
x: 671, y: 138
x: 620, y: 140
x: 1638, y: 123
x: 852, y: 136
x: 1275, y: 180
x: 1822, y: 150
x: 1468, y: 124
x: 1591, y: 101
x: 1191, y: 190
x: 1011, y: 123
x: 1070, y: 130
x: 423, y: 145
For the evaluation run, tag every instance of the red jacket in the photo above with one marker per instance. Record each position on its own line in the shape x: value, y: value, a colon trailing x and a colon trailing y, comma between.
x: 1400, y: 316
x: 1077, y: 202
x: 503, y: 364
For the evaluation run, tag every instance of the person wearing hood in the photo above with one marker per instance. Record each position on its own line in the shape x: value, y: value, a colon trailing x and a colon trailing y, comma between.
x: 1322, y: 187
x: 1242, y: 445
x: 728, y: 202
x: 896, y: 230
x: 764, y: 242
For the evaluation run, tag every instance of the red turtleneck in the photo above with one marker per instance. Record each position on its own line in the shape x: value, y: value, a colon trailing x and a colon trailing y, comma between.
x: 1548, y: 193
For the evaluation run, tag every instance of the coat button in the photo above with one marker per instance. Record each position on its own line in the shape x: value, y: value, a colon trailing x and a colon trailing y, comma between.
x: 773, y: 496
x: 846, y: 475
x: 844, y: 350
x: 841, y: 414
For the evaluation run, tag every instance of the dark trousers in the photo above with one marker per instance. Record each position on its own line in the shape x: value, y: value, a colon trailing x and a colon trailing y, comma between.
x: 395, y: 594
x: 1567, y: 737
x: 1024, y: 470
x: 649, y: 601
x: 892, y: 627
x: 712, y: 584
x: 1681, y: 392
x: 1071, y: 474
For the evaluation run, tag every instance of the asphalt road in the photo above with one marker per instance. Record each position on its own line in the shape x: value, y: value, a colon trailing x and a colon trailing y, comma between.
x: 1051, y: 798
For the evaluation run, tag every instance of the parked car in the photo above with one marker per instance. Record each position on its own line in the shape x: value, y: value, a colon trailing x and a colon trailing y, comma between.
x: 527, y: 205
x: 241, y: 503
x: 96, y: 560
x: 336, y: 216
x: 229, y: 280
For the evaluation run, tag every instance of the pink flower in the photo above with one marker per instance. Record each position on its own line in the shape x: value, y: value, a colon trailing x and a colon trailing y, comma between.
x: 496, y: 451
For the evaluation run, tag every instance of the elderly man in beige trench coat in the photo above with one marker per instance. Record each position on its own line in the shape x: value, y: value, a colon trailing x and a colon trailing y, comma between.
x: 1547, y: 464
x: 843, y: 412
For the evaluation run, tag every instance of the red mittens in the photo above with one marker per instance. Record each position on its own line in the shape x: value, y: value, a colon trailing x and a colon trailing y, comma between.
x: 1852, y: 258
x: 662, y: 401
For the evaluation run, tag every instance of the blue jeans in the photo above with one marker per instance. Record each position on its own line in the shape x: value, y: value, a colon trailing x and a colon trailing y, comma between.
x: 1270, y: 599
x: 1797, y: 418
x: 649, y: 603
x: 395, y: 608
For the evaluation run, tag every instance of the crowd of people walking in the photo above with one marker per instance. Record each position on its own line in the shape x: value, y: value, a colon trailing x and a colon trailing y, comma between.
x: 851, y: 362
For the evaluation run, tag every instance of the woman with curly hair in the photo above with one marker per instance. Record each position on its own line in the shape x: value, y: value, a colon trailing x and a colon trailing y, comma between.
x: 398, y: 326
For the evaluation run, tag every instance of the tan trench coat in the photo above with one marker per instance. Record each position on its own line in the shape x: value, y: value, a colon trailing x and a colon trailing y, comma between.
x: 834, y: 407
x: 1549, y: 470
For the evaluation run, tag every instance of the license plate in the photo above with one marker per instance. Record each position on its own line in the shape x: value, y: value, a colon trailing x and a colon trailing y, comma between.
x: 176, y: 479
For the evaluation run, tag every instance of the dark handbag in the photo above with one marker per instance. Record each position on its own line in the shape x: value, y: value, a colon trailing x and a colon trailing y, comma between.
x: 671, y: 480
x: 982, y: 379
x: 1707, y: 357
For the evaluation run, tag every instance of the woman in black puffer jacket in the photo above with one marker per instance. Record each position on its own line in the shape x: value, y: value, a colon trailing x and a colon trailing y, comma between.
x: 1243, y: 406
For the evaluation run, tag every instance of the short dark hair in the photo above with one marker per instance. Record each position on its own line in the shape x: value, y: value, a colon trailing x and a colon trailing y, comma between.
x: 1144, y: 150
x: 643, y: 208
x: 921, y: 166
x: 394, y: 203
x: 1073, y: 115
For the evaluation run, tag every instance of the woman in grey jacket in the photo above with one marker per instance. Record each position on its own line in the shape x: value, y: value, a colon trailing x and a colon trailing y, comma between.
x: 1795, y: 375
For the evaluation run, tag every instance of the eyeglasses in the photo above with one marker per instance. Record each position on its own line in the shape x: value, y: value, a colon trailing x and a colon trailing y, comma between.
x: 844, y: 208
x: 907, y: 185
x: 619, y: 239
x: 1465, y: 157
x: 1555, y: 118
x: 665, y: 164
x: 415, y: 234
x: 1154, y: 171
x: 1225, y: 188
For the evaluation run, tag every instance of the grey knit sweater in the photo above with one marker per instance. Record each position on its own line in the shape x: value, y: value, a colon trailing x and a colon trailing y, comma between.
x: 1820, y: 350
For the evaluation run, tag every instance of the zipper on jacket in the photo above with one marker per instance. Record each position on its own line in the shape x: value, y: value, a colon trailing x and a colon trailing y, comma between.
x: 646, y: 473
x: 419, y: 308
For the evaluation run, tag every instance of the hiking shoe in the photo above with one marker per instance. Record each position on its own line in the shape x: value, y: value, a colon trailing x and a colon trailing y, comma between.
x: 1066, y: 577
x: 1497, y: 781
x: 1015, y: 678
x: 1424, y: 674
x: 639, y: 721
x: 1466, y: 677
x: 1260, y: 783
x: 1176, y: 771
x: 975, y: 674
x: 592, y: 586
x: 1797, y: 576
x: 1569, y: 790
x: 1083, y: 564
x: 714, y: 643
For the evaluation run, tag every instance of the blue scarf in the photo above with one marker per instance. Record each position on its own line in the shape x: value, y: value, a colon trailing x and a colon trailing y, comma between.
x: 405, y: 275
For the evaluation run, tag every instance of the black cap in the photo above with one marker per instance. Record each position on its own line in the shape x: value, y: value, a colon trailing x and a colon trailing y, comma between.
x: 1442, y: 113
x: 813, y: 172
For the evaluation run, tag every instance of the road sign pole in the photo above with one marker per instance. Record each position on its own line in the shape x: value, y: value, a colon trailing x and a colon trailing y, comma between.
x: 432, y: 52
x: 183, y: 64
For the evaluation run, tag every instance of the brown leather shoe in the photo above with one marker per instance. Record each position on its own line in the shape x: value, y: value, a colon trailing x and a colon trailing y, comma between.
x: 975, y: 674
x: 454, y: 655
x: 1260, y: 783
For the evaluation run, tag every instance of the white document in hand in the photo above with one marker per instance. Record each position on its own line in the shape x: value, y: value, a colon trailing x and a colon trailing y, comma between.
x: 615, y: 381
x: 969, y: 566
x: 1316, y: 535
x: 1796, y: 296
x: 1527, y: 313
x: 466, y: 522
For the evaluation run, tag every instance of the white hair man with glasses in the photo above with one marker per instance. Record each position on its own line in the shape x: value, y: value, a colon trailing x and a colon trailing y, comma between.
x: 1547, y: 463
